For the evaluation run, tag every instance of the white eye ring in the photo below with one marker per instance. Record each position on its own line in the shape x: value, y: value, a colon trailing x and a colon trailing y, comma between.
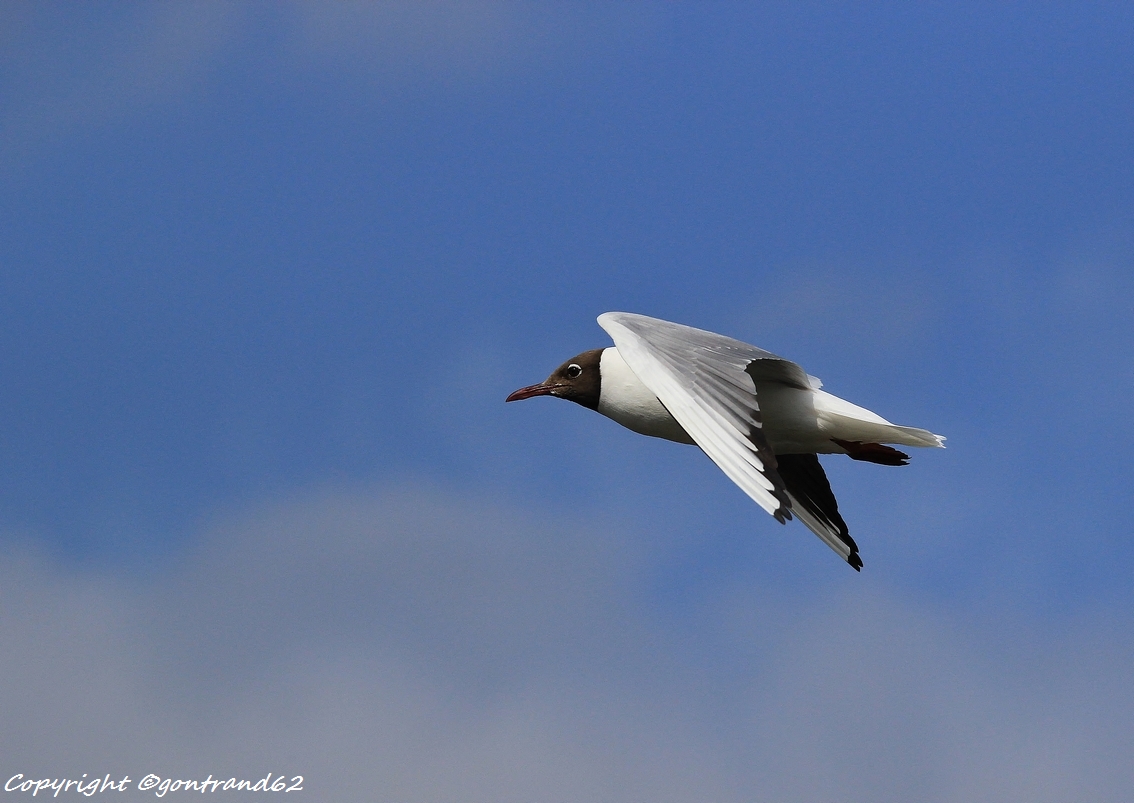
x: 573, y: 370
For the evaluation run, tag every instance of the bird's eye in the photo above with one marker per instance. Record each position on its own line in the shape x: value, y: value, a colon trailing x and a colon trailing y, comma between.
x: 573, y: 370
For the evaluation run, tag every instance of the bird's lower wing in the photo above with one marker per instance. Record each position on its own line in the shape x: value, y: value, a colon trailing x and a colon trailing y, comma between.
x: 814, y: 504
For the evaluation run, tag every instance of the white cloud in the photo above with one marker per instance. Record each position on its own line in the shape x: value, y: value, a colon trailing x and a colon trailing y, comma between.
x: 416, y: 645
x: 75, y: 69
x: 427, y: 37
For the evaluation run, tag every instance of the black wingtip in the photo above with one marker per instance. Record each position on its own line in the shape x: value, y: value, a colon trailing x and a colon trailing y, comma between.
x: 855, y: 561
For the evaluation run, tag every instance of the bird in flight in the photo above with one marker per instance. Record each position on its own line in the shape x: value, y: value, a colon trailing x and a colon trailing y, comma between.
x: 762, y: 419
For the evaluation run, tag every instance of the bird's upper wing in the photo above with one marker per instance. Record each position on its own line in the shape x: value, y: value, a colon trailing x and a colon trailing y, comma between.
x: 708, y: 383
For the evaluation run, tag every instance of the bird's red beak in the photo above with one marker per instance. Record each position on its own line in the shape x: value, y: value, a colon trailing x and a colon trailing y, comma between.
x: 542, y: 389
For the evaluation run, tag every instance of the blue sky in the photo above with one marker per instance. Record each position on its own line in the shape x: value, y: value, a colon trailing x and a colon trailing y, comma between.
x: 267, y: 273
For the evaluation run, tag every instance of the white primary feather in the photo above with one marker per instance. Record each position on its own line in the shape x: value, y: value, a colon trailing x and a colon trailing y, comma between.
x: 701, y: 379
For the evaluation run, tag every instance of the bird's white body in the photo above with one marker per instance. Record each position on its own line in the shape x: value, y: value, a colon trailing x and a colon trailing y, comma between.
x: 795, y: 421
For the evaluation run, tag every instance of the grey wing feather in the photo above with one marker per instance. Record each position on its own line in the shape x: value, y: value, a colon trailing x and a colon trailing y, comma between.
x: 686, y: 340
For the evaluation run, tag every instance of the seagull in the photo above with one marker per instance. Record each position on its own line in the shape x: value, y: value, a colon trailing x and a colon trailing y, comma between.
x: 762, y: 419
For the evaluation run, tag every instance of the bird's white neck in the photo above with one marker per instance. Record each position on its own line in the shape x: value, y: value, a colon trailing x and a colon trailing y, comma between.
x: 623, y: 398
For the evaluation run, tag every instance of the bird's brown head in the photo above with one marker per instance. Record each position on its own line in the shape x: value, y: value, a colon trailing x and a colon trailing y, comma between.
x: 576, y: 380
